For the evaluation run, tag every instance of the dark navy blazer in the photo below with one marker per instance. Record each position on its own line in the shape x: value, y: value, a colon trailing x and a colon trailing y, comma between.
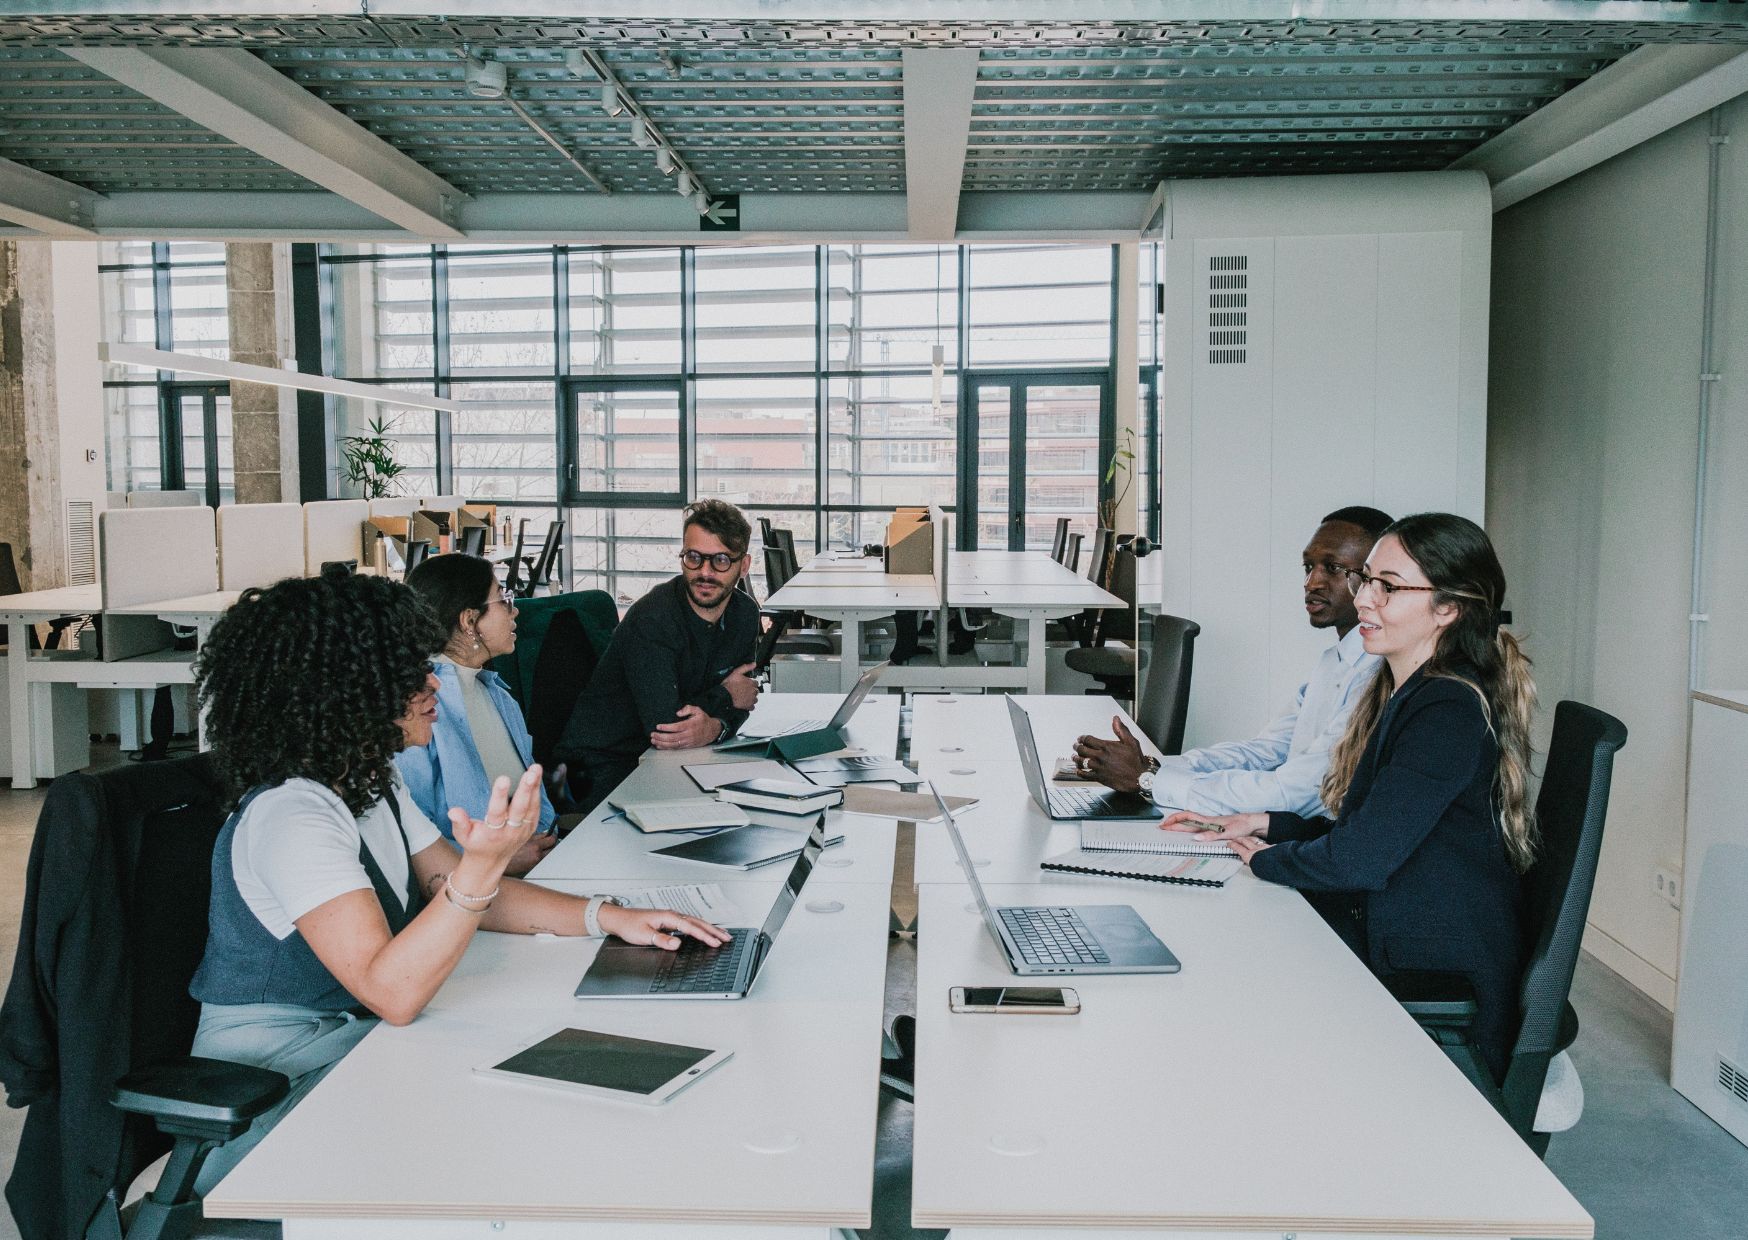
x: 1418, y: 853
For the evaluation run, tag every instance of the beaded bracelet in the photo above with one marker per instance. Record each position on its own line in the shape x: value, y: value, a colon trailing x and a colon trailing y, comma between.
x: 455, y: 896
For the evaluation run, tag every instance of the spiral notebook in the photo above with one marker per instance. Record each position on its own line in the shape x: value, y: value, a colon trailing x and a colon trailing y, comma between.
x: 1147, y: 867
x: 1111, y: 835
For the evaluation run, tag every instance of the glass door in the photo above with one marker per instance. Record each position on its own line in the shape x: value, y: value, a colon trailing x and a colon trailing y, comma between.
x: 1039, y: 442
x: 196, y: 437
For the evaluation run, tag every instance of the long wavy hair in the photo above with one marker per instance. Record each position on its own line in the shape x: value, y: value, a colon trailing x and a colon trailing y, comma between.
x: 1458, y: 559
x: 307, y: 679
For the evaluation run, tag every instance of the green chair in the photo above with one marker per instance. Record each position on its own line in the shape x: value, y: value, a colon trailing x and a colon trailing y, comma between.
x: 559, y: 641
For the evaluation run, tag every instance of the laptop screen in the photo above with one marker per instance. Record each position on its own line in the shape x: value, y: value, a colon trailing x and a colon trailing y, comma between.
x: 965, y: 862
x: 1028, y: 754
x: 796, y: 881
x: 853, y: 698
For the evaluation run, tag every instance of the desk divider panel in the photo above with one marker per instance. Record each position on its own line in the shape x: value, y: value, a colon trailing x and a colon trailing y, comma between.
x: 331, y: 531
x: 150, y: 555
x: 397, y: 506
x: 443, y: 503
x: 259, y: 544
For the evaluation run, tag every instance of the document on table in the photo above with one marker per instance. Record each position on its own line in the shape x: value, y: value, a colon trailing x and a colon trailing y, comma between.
x: 705, y: 901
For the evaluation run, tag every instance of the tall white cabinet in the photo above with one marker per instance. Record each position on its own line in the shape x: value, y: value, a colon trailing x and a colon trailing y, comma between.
x: 1710, y: 1064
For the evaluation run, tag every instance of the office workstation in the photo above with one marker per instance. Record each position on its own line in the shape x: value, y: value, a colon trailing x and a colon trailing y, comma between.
x: 882, y: 619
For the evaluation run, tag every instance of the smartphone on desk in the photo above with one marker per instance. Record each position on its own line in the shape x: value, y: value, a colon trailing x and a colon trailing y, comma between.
x: 1014, y: 1000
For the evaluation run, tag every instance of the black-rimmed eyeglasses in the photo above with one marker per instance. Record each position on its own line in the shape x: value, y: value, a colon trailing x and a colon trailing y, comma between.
x: 1357, y: 580
x: 722, y: 561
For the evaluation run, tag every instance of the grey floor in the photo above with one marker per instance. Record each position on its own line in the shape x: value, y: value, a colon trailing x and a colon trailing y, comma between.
x: 1643, y: 1161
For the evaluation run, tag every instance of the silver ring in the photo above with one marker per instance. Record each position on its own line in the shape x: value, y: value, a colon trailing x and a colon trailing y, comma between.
x: 515, y: 824
x: 496, y: 826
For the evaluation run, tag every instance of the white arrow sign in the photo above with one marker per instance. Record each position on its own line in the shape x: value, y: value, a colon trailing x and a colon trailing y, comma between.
x: 720, y: 213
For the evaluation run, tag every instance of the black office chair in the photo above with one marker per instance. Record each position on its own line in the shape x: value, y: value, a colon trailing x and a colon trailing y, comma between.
x: 1570, y: 811
x: 472, y: 540
x: 98, y: 1020
x: 418, y: 551
x: 541, y: 570
x: 1165, y: 694
x: 10, y: 584
x: 1071, y: 553
x: 514, y: 566
x: 1059, y: 544
x: 1112, y: 666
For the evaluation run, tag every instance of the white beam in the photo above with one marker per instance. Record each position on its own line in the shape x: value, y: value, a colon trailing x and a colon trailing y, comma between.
x: 143, y: 358
x: 939, y: 85
x: 232, y: 93
x: 1645, y: 93
x: 45, y: 203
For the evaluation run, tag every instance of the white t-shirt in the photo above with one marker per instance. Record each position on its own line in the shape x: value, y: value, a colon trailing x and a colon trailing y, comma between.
x: 296, y: 848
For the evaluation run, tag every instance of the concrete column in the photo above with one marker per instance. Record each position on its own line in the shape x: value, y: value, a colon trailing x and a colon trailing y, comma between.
x: 1124, y: 382
x: 51, y: 433
x: 250, y: 270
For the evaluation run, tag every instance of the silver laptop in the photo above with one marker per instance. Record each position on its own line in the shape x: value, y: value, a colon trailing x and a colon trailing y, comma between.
x: 1063, y: 804
x: 624, y: 970
x: 836, y: 724
x: 1081, y: 938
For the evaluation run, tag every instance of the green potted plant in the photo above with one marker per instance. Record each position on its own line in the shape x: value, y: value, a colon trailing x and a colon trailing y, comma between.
x: 370, y: 460
x: 1122, y: 463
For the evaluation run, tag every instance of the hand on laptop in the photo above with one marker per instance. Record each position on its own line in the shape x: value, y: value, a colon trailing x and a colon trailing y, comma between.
x: 1117, y: 764
x: 658, y: 927
x: 690, y: 729
x: 743, y: 690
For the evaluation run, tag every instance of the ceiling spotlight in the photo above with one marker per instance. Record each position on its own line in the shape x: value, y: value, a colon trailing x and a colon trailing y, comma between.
x: 486, y: 79
x: 671, y: 63
x: 577, y: 64
x: 665, y: 161
x: 640, y: 134
x: 611, y: 101
x: 701, y: 202
x: 684, y: 184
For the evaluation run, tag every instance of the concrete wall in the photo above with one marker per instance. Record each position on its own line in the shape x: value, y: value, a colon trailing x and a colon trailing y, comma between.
x: 1592, y: 443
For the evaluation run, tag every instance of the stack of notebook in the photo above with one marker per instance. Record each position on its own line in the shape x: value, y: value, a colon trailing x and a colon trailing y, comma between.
x: 1141, y: 850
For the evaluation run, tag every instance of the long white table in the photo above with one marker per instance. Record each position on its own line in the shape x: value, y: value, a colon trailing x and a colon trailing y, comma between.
x: 1027, y: 586
x: 1271, y: 1087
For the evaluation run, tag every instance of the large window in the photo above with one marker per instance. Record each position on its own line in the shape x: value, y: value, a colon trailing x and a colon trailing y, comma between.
x: 607, y: 386
x: 163, y: 433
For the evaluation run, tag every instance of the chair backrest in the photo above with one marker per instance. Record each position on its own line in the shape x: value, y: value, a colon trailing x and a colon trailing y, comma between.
x: 562, y: 668
x: 1165, y: 694
x: 1059, y: 544
x: 765, y: 536
x: 594, y: 608
x: 417, y: 551
x: 777, y: 569
x: 1098, y: 566
x: 473, y: 540
x: 1570, y: 811
x: 1071, y: 557
x: 543, y: 567
x: 513, y: 573
x: 786, y: 540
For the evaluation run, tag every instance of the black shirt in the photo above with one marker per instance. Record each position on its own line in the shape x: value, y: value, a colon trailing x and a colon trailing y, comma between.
x: 663, y: 656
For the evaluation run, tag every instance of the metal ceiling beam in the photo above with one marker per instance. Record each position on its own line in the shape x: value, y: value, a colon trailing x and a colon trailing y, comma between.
x: 230, y: 92
x: 940, y: 87
x: 44, y: 203
x: 1638, y: 97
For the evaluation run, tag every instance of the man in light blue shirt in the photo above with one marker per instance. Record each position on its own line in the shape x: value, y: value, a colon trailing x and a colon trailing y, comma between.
x: 1281, y: 768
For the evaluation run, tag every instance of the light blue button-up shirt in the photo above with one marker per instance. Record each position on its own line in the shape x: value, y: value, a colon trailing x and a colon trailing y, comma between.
x: 448, y: 772
x: 1282, y: 768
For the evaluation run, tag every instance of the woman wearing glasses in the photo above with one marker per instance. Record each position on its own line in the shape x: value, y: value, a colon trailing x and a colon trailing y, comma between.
x: 1419, y: 868
x: 480, y: 733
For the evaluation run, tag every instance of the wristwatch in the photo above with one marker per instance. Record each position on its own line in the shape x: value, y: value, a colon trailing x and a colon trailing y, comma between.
x: 1145, y: 780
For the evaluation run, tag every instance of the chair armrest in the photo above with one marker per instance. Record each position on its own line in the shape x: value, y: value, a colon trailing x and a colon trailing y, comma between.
x: 206, y: 1098
x: 1443, y: 1000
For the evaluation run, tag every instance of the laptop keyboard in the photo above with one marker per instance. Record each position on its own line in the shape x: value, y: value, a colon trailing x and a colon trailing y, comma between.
x: 696, y: 968
x: 1079, y: 802
x: 1052, y: 936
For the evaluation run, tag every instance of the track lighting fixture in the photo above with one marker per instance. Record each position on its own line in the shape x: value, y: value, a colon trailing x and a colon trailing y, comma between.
x: 665, y: 161
x: 684, y: 184
x: 640, y: 134
x: 700, y: 201
x: 486, y: 79
x: 612, y: 103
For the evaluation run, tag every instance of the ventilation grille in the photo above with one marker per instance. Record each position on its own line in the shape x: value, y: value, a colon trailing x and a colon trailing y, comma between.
x: 1732, y: 1080
x: 81, y: 543
x: 1228, y: 308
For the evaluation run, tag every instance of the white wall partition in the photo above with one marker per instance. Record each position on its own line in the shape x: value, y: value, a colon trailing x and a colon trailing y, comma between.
x: 1325, y: 344
x: 259, y: 544
x: 332, y: 530
x: 398, y: 506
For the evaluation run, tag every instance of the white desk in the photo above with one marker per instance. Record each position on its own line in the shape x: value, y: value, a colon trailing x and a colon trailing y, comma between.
x: 606, y: 846
x: 404, y: 1140
x: 1025, y: 585
x: 198, y: 612
x: 1272, y: 1087
x: 26, y: 704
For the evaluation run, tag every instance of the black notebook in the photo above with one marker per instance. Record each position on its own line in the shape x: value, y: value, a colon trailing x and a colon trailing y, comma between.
x: 1147, y: 867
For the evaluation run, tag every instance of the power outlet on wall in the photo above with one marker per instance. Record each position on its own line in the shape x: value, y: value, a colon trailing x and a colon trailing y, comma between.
x: 1667, y: 881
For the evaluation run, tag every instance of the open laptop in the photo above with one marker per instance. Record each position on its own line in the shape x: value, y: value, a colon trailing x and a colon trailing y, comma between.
x: 1073, y: 802
x: 1081, y: 938
x: 626, y: 971
x: 811, y: 736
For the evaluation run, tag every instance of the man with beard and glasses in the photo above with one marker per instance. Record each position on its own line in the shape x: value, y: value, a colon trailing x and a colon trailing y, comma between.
x: 678, y: 672
x: 1283, y: 767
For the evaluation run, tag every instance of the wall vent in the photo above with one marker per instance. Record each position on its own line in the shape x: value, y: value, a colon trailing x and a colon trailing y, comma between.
x: 1228, y: 308
x: 81, y: 543
x: 1732, y: 1080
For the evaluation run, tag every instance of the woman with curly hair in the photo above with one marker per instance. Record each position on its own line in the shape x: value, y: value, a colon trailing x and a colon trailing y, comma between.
x: 480, y: 732
x: 1418, y: 869
x: 335, y: 900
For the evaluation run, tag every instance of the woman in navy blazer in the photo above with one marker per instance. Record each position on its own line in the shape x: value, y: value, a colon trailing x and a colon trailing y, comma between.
x: 1418, y: 867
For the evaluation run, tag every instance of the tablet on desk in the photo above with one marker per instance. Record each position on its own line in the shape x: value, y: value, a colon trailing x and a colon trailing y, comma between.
x: 605, y: 1064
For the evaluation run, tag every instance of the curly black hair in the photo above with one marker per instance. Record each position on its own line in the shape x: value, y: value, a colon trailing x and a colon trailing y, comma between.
x: 307, y: 678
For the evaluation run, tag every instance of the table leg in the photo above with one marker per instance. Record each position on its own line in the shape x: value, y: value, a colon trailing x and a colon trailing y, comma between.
x: 18, y: 703
x: 1037, y: 657
x: 850, y: 656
